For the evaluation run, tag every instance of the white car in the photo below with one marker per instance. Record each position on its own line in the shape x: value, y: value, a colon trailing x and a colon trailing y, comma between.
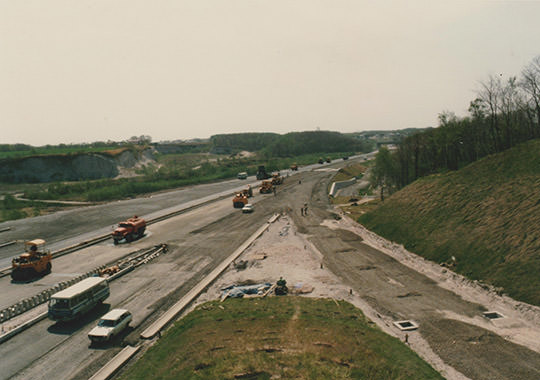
x: 110, y: 324
x: 247, y: 208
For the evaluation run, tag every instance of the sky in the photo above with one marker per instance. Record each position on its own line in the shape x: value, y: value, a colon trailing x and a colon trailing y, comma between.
x: 98, y: 70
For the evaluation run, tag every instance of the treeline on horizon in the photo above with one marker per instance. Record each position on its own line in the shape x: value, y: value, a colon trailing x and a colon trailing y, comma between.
x: 291, y: 144
x: 504, y: 113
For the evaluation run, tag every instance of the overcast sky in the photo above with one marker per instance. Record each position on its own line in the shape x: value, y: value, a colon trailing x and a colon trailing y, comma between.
x: 83, y: 71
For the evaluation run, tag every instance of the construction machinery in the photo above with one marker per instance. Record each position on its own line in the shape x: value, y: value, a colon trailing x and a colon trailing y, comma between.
x: 34, y: 262
x: 294, y: 167
x: 131, y: 229
x: 261, y: 173
x: 266, y: 187
x: 248, y: 192
x: 277, y: 179
x: 240, y: 200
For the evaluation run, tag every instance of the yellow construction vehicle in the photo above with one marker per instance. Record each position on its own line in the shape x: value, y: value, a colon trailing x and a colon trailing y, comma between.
x: 34, y: 262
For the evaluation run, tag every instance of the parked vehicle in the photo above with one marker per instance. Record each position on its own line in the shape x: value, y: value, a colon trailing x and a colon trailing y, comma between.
x: 72, y: 302
x: 247, y: 208
x: 110, y: 325
x: 34, y: 262
x: 294, y: 167
x: 242, y: 175
x: 131, y: 229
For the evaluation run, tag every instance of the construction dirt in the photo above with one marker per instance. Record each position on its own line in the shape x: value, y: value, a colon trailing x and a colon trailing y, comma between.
x: 326, y: 254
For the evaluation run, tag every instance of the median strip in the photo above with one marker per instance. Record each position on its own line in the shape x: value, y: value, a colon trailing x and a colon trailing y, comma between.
x: 170, y: 314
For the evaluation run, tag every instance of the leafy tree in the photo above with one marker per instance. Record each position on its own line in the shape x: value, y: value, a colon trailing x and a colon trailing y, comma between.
x: 384, y: 171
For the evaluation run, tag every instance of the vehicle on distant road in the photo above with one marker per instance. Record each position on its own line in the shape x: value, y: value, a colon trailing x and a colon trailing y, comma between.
x: 34, y: 262
x: 242, y: 175
x: 247, y: 208
x: 131, y: 229
x: 294, y: 167
x: 110, y: 325
x: 72, y: 302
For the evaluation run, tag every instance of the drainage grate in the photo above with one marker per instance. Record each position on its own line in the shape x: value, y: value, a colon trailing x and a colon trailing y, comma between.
x: 406, y: 325
x: 493, y: 315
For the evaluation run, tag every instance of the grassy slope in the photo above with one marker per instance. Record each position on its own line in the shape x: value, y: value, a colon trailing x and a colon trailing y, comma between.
x: 283, y: 337
x: 486, y: 215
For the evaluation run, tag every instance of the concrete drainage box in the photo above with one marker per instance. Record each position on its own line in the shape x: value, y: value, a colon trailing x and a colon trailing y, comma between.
x: 406, y: 325
x: 492, y: 315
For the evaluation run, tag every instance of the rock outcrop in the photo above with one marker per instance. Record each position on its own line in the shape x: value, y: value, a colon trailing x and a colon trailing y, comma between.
x: 70, y: 167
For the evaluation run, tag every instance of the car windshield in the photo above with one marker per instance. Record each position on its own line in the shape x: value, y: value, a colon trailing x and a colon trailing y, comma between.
x: 106, y: 323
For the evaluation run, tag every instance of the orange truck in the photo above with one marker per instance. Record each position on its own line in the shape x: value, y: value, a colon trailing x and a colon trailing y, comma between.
x: 240, y: 200
x: 34, y: 262
x: 131, y: 229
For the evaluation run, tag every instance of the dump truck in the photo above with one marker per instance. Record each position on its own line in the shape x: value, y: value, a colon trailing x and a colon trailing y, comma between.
x: 240, y: 200
x: 261, y: 173
x: 266, y: 187
x: 34, y: 262
x: 131, y: 229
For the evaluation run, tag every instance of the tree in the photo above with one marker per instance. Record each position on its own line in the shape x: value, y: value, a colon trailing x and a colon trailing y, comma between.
x: 384, y: 171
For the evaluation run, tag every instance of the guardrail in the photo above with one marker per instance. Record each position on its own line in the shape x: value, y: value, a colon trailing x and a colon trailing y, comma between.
x: 127, y: 265
x: 87, y: 243
x: 21, y: 307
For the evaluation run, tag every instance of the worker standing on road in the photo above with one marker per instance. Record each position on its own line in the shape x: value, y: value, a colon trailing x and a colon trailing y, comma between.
x: 305, y: 209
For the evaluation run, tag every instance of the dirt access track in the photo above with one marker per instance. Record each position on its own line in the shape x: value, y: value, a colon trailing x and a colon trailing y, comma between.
x: 390, y: 284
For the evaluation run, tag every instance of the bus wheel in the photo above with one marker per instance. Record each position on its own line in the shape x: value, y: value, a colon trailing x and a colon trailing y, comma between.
x: 49, y: 267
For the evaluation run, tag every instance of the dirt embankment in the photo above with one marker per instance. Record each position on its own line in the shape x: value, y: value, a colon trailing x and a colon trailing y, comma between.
x: 71, y: 167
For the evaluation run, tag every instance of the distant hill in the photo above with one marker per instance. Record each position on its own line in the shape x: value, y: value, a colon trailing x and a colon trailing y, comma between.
x: 486, y: 215
x: 290, y: 144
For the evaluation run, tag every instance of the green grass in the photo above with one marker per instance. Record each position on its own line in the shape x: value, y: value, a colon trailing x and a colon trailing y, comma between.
x: 11, y: 208
x: 178, y: 170
x: 278, y: 337
x: 54, y: 150
x: 486, y: 215
x: 350, y: 171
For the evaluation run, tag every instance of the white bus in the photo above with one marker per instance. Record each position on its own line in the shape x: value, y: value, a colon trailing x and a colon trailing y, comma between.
x: 70, y: 303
